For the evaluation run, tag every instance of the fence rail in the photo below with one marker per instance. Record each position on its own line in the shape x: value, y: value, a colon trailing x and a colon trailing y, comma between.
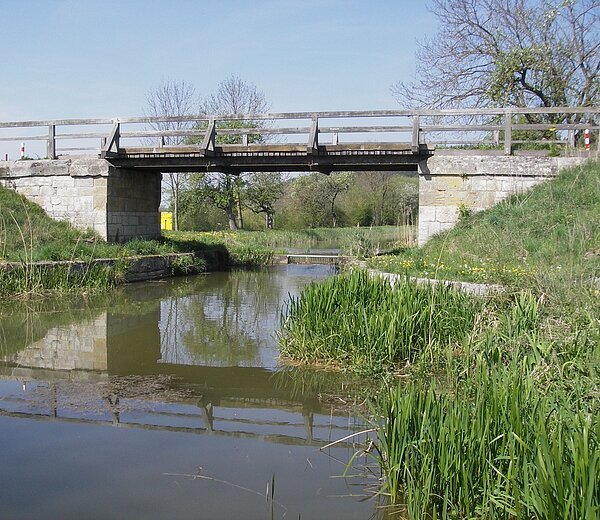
x: 502, y: 128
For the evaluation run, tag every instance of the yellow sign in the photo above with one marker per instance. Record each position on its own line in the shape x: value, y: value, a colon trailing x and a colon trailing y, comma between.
x: 166, y: 220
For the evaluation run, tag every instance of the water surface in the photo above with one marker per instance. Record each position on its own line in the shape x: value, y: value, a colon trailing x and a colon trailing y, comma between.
x: 167, y: 400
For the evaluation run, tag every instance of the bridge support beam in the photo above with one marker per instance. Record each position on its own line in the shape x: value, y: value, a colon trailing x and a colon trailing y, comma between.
x: 450, y: 183
x: 118, y: 203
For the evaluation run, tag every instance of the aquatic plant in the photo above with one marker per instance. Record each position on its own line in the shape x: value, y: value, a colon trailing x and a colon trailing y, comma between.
x: 492, y: 447
x: 366, y: 325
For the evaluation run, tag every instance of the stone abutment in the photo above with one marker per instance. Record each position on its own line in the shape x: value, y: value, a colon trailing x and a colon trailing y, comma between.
x: 449, y: 183
x: 118, y: 203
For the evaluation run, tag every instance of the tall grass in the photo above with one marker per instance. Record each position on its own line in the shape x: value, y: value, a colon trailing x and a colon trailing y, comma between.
x: 368, y: 326
x: 350, y: 240
x: 494, y: 447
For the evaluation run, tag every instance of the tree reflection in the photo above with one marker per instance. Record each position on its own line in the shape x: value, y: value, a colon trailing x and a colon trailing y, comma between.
x: 228, y: 321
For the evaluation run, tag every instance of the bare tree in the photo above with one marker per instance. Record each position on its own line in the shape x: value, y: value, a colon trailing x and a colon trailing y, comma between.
x: 508, y: 53
x: 235, y: 96
x: 173, y: 98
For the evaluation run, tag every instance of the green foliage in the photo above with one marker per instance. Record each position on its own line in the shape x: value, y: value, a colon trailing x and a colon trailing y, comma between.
x: 493, y: 447
x: 316, y: 195
x: 546, y: 239
x: 499, y: 414
x: 261, y: 192
x: 364, y: 324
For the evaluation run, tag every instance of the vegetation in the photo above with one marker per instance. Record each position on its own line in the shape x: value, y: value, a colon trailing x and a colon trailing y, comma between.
x: 496, y: 447
x: 497, y: 412
x: 546, y: 239
x: 309, y: 201
x: 352, y: 241
x: 364, y: 324
x: 508, y: 53
x: 28, y: 235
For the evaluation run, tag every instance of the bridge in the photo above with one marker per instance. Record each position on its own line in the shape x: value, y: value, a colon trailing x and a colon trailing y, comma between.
x: 105, y: 173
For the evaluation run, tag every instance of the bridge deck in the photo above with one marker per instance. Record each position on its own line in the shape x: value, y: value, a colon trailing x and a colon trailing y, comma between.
x: 273, y: 157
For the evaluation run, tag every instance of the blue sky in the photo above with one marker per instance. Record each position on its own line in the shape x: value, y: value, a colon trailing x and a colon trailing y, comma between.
x: 94, y: 58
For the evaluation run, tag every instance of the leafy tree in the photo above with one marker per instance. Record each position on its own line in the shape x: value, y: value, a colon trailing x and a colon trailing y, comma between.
x: 316, y: 195
x: 508, y: 53
x: 232, y: 97
x: 381, y: 198
x: 220, y: 190
x: 173, y: 98
x: 262, y: 191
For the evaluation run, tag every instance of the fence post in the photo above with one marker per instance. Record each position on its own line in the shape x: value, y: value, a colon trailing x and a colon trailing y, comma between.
x: 312, y: 147
x: 51, y: 151
x: 416, y: 130
x: 508, y: 132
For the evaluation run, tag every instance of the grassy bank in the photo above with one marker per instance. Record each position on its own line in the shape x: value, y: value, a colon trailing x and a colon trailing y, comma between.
x: 496, y: 415
x: 353, y: 241
x: 546, y: 239
x: 29, y: 235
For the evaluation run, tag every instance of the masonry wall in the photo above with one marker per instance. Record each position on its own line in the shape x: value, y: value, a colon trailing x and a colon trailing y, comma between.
x: 117, y: 203
x: 133, y: 200
x: 447, y: 183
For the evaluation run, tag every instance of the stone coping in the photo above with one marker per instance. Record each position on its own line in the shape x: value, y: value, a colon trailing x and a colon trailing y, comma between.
x: 139, y: 268
x: 476, y: 289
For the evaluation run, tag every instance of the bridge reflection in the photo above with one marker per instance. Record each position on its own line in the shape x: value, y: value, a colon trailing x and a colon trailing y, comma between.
x: 129, y: 366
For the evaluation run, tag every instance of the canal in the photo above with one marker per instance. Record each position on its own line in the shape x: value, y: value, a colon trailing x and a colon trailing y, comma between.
x: 168, y: 400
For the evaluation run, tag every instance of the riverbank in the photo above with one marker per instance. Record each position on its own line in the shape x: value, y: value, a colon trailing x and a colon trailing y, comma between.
x: 497, y: 412
x: 39, y: 254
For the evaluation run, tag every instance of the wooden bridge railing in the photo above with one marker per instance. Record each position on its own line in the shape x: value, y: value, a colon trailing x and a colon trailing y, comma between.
x: 500, y: 128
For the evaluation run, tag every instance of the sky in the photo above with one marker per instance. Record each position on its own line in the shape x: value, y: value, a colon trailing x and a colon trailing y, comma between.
x: 99, y: 58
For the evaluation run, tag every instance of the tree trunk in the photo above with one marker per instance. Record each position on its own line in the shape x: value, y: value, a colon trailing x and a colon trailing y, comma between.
x: 269, y: 220
x: 175, y: 194
x: 333, y: 213
x: 238, y: 202
x: 231, y: 218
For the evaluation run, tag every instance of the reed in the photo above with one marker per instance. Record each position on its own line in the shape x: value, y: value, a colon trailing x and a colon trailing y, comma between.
x: 368, y: 326
x: 494, y: 447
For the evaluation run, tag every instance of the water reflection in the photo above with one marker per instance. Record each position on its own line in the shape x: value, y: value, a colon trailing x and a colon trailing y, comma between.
x: 190, y: 359
x: 177, y: 355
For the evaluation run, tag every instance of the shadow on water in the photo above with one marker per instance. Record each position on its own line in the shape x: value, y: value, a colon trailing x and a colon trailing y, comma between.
x: 185, y: 359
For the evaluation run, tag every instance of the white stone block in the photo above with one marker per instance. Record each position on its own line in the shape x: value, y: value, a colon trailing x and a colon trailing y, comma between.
x: 446, y: 214
x: 427, y: 213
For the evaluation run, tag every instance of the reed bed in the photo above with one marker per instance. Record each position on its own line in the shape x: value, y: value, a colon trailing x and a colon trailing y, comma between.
x: 495, y: 447
x: 368, y: 326
x: 29, y: 279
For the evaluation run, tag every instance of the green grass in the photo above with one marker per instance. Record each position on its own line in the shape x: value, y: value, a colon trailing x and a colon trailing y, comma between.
x: 365, y: 325
x: 497, y: 413
x: 28, y: 235
x: 546, y: 239
x: 354, y: 241
x: 494, y: 447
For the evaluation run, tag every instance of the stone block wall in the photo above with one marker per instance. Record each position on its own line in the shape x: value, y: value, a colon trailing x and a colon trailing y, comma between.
x: 133, y: 200
x: 119, y: 204
x: 447, y: 183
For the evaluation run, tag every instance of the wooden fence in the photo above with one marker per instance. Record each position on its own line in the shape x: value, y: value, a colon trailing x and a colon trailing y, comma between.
x: 504, y: 129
